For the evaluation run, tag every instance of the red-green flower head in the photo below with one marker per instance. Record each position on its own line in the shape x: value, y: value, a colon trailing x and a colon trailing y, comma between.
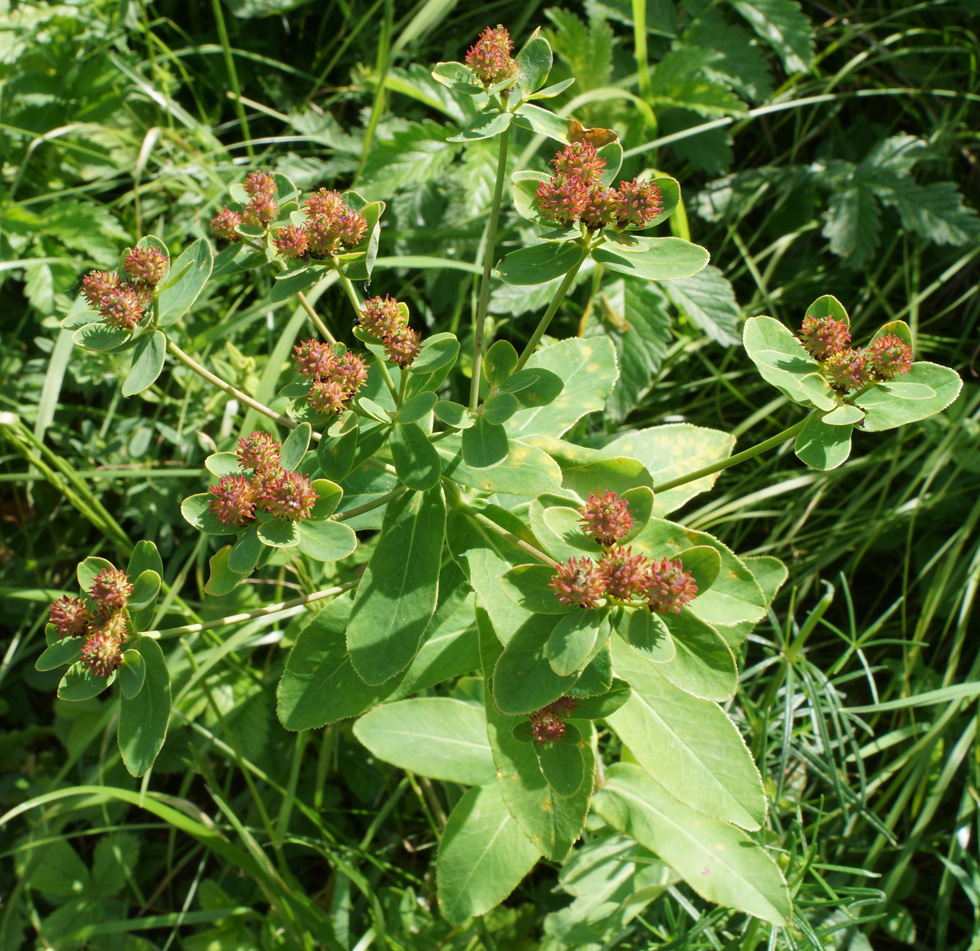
x: 110, y: 589
x: 668, y: 586
x: 606, y: 518
x: 321, y: 234
x: 291, y: 242
x: 402, y: 347
x: 99, y: 284
x: 624, y: 574
x: 260, y: 183
x: 548, y: 723
x: 233, y: 500
x: 381, y: 316
x: 327, y: 396
x: 350, y: 228
x: 600, y: 209
x: 121, y: 308
x: 225, y: 223
x: 638, y: 203
x: 579, y: 160
x: 889, y: 356
x: 822, y: 337
x: 325, y: 204
x: 489, y: 57
x: 314, y: 360
x: 70, y: 616
x: 578, y: 583
x: 846, y: 370
x: 288, y: 496
x: 261, y: 211
x: 102, y: 650
x: 258, y: 452
x: 562, y: 201
x: 146, y: 266
x: 352, y: 372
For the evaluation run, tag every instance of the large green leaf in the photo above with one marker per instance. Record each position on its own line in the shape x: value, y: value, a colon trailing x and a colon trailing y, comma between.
x: 821, y: 446
x: 530, y: 587
x: 779, y: 357
x: 523, y: 679
x: 901, y: 401
x: 397, y: 594
x: 704, y: 665
x: 326, y: 540
x: 539, y: 263
x: 584, y: 470
x: 708, y: 299
x: 721, y: 863
x: 483, y: 856
x: 661, y: 259
x: 436, y: 737
x: 783, y: 25
x: 694, y: 749
x: 415, y: 458
x: 148, y: 357
x: 484, y: 444
x: 143, y: 720
x: 188, y: 275
x: 527, y: 471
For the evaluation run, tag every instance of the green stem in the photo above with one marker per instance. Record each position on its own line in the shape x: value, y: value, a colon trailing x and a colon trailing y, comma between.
x: 756, y: 450
x: 250, y: 615
x: 457, y: 503
x: 488, y: 259
x: 315, y: 318
x: 369, y: 506
x: 566, y: 283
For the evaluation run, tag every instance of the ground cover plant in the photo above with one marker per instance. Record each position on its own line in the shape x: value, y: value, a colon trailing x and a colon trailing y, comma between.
x: 437, y: 456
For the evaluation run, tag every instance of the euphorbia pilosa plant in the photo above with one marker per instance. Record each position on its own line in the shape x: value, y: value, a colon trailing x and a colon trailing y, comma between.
x: 497, y: 546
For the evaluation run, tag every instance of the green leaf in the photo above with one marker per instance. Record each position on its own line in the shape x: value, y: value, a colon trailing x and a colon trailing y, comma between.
x: 458, y: 77
x: 326, y: 540
x: 523, y: 680
x: 721, y: 863
x: 829, y: 306
x: 483, y: 856
x: 704, y: 665
x: 779, y: 357
x: 335, y: 453
x: 486, y: 125
x: 397, y: 594
x: 695, y: 750
x: 188, y: 275
x: 222, y: 579
x: 527, y: 586
x: 565, y: 523
x: 821, y: 446
x: 935, y: 211
x: 454, y: 414
x: 329, y: 496
x: 415, y: 458
x: 145, y: 556
x: 223, y: 463
x: 79, y: 683
x: 420, y: 405
x: 438, y: 352
x: 88, y: 569
x: 196, y: 510
x: 818, y: 391
x: 132, y: 673
x: 538, y: 263
x: 885, y: 407
x: 66, y: 651
x: 662, y: 259
x: 147, y: 365
x: 484, y: 444
x: 532, y: 387
x: 585, y: 471
x: 244, y: 554
x: 414, y: 154
x: 597, y: 677
x: 102, y: 338
x: 533, y: 64
x: 319, y: 684
x: 279, y: 533
x: 646, y: 633
x: 549, y: 92
x: 500, y: 362
x: 588, y: 369
x: 587, y: 49
x: 143, y: 720
x: 573, y: 639
x: 601, y: 706
x: 783, y: 25
x: 527, y: 471
x: 708, y: 300
x: 434, y: 736
x: 145, y: 589
x: 562, y: 763
x: 294, y: 447
x: 704, y: 563
x: 542, y: 122
x: 852, y: 223
x: 497, y: 410
x: 551, y: 823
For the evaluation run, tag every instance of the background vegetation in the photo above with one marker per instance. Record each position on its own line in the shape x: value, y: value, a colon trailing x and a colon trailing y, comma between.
x: 828, y: 148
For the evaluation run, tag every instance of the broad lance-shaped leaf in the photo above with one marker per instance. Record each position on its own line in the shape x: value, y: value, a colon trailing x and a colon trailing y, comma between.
x: 721, y: 863
x: 188, y: 275
x: 539, y: 263
x: 397, y: 594
x: 436, y: 737
x: 552, y: 823
x: 143, y: 720
x: 703, y: 665
x: 483, y: 856
x: 691, y: 746
x: 661, y: 259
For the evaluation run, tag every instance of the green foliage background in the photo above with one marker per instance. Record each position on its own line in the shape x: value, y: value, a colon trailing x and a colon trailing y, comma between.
x: 821, y: 149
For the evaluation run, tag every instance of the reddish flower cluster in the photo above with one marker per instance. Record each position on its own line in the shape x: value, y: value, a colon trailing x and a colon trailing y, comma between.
x: 576, y: 193
x: 334, y: 380
x: 100, y: 618
x: 548, y: 723
x: 122, y: 303
x: 383, y: 320
x: 283, y: 494
x: 845, y: 369
x: 489, y: 57
x: 330, y: 226
x: 261, y: 210
x: 619, y: 574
